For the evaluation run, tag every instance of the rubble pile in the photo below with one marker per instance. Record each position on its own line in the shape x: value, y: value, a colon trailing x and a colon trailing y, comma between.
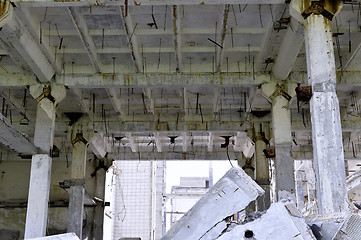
x: 212, y: 217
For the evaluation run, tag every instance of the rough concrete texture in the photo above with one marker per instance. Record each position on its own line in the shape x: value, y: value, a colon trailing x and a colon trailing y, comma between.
x: 284, y: 173
x: 76, y: 210
x: 327, y: 142
x: 231, y: 194
x: 327, y: 225
x: 38, y: 198
x: 350, y: 229
x: 280, y: 222
x: 66, y: 236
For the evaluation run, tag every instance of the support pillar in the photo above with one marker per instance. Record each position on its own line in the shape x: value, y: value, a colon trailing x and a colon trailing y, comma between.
x: 99, y: 209
x: 40, y: 175
x: 279, y: 95
x: 324, y: 106
x: 76, y: 192
x: 262, y: 171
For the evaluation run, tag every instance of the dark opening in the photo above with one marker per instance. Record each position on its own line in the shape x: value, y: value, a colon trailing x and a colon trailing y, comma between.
x: 248, y: 234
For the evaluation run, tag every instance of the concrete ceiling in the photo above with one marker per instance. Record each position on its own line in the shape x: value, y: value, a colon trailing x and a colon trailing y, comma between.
x: 150, y: 70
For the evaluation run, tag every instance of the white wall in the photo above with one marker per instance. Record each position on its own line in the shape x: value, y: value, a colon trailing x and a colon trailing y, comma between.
x: 138, y: 189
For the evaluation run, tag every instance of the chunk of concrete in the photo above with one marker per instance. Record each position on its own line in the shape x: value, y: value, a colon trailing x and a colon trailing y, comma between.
x: 231, y: 194
x: 350, y: 229
x: 326, y: 226
x: 66, y: 236
x: 281, y: 221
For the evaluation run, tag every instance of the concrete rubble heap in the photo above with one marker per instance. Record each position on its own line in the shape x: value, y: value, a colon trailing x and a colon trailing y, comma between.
x: 210, y: 218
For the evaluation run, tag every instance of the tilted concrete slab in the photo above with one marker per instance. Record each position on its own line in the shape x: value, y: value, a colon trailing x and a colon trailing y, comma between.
x: 66, y: 236
x: 14, y: 139
x: 281, y: 221
x: 231, y: 194
x: 350, y: 229
x: 353, y: 185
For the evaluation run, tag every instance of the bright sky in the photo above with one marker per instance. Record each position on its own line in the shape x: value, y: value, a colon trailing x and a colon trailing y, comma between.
x: 177, y: 169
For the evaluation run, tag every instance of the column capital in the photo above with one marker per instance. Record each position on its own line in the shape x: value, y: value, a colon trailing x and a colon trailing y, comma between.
x: 271, y: 90
x: 81, y: 131
x: 302, y: 9
x: 48, y: 96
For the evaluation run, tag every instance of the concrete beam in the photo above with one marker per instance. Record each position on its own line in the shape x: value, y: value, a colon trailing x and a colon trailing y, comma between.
x: 177, y: 37
x: 185, y: 141
x: 97, y: 145
x: 14, y: 139
x: 146, y: 31
x: 84, y: 105
x: 175, y: 80
x: 290, y: 47
x: 132, y: 39
x: 88, y: 43
x: 131, y: 143
x: 268, y: 40
x: 16, y: 36
x: 164, y: 80
x: 113, y: 94
x: 220, y: 51
x: 158, y: 142
x: 54, y: 3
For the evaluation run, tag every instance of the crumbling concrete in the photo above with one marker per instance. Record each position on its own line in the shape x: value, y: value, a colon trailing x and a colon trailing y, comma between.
x: 350, y: 229
x: 281, y: 221
x: 66, y: 236
x: 231, y: 194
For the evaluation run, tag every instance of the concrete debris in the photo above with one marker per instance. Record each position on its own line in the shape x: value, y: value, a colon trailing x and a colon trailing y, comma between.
x: 326, y: 226
x: 281, y: 221
x: 66, y: 236
x: 231, y: 194
x: 350, y: 229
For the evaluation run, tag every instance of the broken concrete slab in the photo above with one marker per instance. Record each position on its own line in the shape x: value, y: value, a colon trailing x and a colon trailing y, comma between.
x: 281, y: 221
x: 326, y: 226
x: 231, y: 194
x: 66, y: 236
x: 350, y: 229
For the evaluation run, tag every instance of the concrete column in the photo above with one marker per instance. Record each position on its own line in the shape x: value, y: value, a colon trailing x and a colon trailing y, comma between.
x: 40, y: 175
x: 76, y: 192
x: 299, y: 175
x: 262, y: 172
x: 99, y: 209
x: 325, y: 117
x: 280, y: 95
x: 328, y: 154
x: 248, y: 168
x: 38, y: 198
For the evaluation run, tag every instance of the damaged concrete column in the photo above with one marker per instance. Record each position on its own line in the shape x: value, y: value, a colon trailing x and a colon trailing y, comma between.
x: 279, y: 95
x: 47, y: 96
x: 328, y: 153
x: 78, y: 135
x: 99, y: 194
x: 262, y: 170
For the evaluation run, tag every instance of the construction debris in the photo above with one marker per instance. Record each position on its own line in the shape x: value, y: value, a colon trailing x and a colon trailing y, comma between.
x: 212, y: 217
x: 66, y: 236
x: 281, y: 221
x: 231, y: 194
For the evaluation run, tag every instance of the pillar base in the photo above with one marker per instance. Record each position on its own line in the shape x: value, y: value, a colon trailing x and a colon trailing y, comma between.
x: 284, y: 173
x: 75, y: 210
